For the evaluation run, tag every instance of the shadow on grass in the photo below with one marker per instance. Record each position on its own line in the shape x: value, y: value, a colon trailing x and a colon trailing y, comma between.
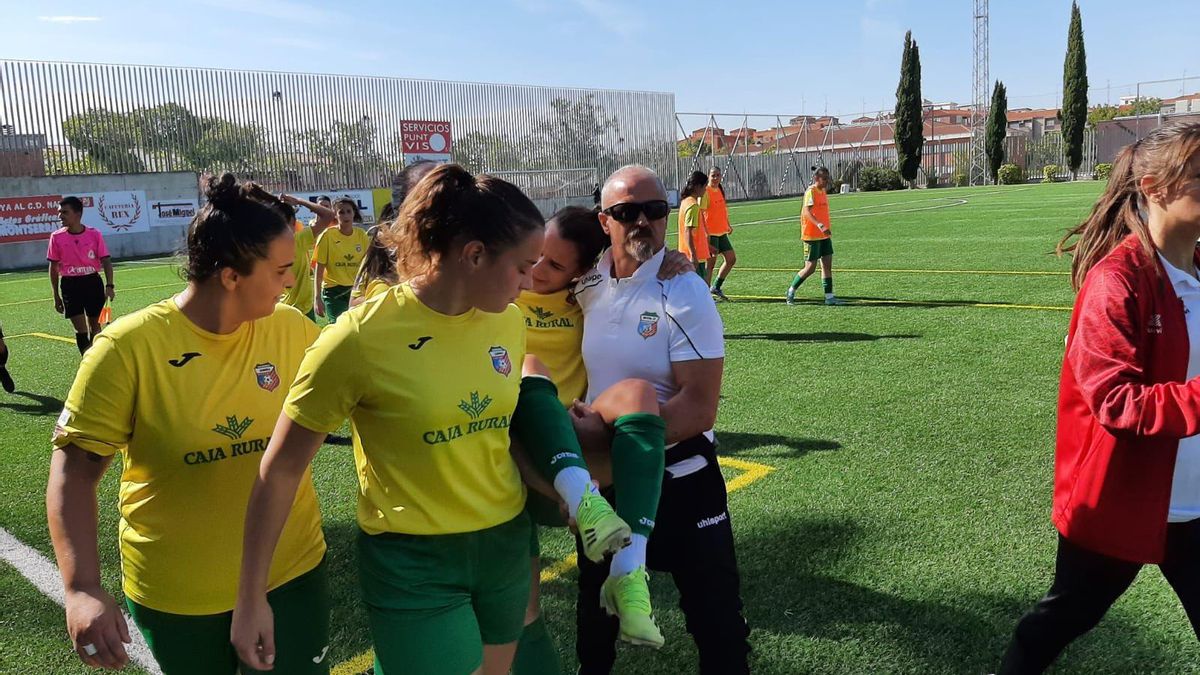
x: 790, y: 587
x: 770, y: 445
x: 41, y: 405
x: 818, y: 338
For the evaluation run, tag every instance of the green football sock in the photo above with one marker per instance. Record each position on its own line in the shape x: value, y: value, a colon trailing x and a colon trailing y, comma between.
x: 797, y: 281
x: 638, y: 456
x: 828, y: 282
x: 720, y: 281
x: 544, y: 428
x: 536, y: 654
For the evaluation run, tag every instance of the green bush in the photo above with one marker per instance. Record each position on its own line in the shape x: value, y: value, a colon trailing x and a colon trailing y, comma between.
x: 1103, y: 171
x: 877, y: 178
x: 1010, y: 174
x: 835, y: 187
x: 1049, y: 172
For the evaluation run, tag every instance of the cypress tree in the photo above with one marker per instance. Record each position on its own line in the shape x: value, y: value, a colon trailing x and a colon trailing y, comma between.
x: 1075, y: 86
x: 997, y: 129
x: 910, y: 129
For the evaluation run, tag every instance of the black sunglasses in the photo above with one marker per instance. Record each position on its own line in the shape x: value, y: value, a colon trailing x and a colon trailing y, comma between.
x: 628, y: 212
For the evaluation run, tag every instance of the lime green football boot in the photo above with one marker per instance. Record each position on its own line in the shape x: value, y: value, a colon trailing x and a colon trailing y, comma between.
x: 600, y: 528
x: 628, y: 598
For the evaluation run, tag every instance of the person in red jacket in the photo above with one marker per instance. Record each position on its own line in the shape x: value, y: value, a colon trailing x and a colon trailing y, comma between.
x: 1127, y: 459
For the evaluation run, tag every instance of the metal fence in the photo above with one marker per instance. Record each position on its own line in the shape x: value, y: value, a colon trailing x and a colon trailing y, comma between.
x: 299, y: 131
x: 776, y: 158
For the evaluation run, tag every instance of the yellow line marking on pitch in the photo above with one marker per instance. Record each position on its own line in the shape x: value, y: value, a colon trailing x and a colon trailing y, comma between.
x: 44, y: 336
x: 123, y: 290
x: 924, y: 303
x: 751, y: 472
x: 872, y: 271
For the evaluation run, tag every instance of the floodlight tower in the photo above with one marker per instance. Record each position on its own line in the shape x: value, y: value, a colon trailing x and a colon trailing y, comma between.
x: 980, y: 97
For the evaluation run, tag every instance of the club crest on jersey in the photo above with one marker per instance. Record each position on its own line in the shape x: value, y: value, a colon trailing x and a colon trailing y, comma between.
x: 500, y: 360
x: 648, y: 325
x: 267, y: 377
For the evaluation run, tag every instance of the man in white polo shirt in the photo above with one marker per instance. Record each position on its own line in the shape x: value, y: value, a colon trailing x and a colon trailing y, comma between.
x: 670, y: 334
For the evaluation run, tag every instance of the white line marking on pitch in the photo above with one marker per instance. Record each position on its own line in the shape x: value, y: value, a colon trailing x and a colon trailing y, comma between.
x: 45, y: 577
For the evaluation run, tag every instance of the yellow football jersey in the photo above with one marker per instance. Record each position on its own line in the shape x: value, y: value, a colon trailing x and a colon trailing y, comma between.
x: 191, y: 412
x: 341, y: 254
x: 300, y: 295
x: 430, y: 398
x: 554, y: 334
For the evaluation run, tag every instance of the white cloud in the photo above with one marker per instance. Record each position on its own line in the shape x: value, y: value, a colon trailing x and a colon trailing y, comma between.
x: 281, y: 10
x: 68, y: 19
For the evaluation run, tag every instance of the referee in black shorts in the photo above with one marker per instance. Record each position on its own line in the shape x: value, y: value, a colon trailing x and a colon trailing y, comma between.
x: 76, y: 254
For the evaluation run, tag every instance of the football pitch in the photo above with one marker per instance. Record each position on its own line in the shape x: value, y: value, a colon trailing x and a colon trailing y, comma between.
x: 890, y: 461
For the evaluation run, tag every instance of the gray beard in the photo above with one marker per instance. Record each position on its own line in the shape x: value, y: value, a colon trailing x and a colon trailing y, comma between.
x: 640, y: 250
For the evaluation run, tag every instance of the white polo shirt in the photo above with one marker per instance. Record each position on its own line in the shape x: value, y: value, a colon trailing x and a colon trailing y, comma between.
x: 637, y: 327
x: 1185, y: 486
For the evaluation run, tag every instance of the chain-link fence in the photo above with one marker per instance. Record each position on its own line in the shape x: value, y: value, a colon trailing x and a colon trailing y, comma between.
x: 774, y: 155
x: 300, y: 131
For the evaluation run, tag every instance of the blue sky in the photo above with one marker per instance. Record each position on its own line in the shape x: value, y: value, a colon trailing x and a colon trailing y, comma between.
x: 769, y: 57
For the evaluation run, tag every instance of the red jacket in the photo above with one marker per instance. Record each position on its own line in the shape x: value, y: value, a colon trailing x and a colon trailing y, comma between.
x: 1124, y: 402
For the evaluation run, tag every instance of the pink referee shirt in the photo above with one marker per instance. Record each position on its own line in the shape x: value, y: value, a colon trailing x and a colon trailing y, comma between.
x: 77, y: 254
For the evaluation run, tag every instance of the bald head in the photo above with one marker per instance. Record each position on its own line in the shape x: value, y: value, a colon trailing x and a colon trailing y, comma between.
x: 632, y: 183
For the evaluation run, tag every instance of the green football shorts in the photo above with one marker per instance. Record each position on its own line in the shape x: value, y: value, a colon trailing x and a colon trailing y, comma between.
x: 199, y: 645
x: 433, y: 601
x: 719, y: 243
x: 815, y: 250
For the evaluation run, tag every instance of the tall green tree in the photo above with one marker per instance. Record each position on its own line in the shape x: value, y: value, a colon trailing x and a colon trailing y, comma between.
x: 578, y: 132
x: 1143, y: 106
x: 910, y: 127
x: 350, y: 152
x: 109, y: 140
x: 997, y: 129
x: 1075, y: 87
x: 167, y: 136
x: 479, y: 151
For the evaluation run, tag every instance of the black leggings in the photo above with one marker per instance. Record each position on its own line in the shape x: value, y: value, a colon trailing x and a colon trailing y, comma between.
x: 1086, y: 584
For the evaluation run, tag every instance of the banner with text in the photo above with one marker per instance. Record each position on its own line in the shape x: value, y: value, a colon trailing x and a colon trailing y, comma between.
x: 365, y: 200
x: 34, y: 218
x: 425, y: 140
x: 164, y: 212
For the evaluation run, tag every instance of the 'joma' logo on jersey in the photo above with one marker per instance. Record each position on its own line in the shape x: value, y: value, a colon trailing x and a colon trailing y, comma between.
x: 235, y: 429
x: 183, y: 359
x: 475, y: 406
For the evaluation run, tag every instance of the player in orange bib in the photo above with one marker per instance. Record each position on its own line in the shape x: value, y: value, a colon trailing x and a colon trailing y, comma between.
x: 815, y: 232
x: 693, y: 238
x: 716, y: 221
